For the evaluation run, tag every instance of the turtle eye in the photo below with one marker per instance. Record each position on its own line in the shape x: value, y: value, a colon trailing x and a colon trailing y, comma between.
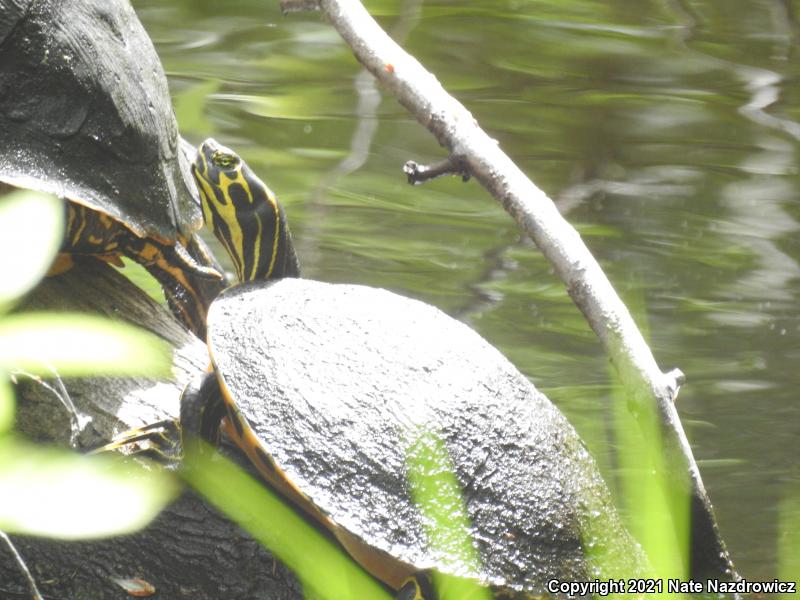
x: 224, y: 160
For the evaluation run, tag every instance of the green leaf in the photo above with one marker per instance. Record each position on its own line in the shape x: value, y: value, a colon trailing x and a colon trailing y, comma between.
x: 320, y: 565
x: 58, y: 494
x: 658, y: 511
x: 76, y: 344
x: 31, y: 227
x: 437, y: 494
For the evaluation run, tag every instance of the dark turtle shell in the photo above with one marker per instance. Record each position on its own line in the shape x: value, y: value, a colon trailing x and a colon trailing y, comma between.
x: 85, y: 113
x: 334, y: 383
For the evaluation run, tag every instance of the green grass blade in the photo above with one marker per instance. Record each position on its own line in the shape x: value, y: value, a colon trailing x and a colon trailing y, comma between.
x: 437, y: 494
x: 322, y: 566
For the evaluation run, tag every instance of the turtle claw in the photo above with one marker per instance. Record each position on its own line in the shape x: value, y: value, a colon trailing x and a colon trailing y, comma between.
x: 192, y: 265
x: 160, y: 441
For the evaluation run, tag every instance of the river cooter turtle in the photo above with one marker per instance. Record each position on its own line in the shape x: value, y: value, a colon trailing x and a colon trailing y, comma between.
x: 330, y: 388
x: 85, y: 113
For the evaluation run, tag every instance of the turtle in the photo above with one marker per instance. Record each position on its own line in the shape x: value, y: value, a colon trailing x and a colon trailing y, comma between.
x: 85, y: 114
x: 330, y: 388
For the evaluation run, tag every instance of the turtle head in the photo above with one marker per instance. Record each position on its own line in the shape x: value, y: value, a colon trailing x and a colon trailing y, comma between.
x: 244, y: 215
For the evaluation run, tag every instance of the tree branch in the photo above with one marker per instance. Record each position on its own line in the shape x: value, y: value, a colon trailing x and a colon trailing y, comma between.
x: 651, y: 391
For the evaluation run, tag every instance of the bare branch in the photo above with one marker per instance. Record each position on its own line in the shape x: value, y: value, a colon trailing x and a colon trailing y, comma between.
x: 452, y: 165
x: 650, y: 390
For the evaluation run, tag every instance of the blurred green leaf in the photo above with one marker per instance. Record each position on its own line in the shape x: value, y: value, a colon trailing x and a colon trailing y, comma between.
x: 322, y: 567
x: 437, y: 494
x: 659, y: 514
x: 76, y: 344
x: 31, y: 227
x: 58, y: 494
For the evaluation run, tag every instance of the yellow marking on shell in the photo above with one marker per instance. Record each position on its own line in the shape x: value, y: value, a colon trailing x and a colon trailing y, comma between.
x: 72, y: 213
x: 130, y: 224
x: 106, y: 221
x: 382, y: 565
x: 62, y: 263
x: 276, y: 477
x: 80, y: 216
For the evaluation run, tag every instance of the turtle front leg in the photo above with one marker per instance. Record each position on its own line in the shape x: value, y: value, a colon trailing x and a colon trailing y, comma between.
x: 202, y: 409
x: 188, y: 287
x: 201, y: 413
x: 158, y: 441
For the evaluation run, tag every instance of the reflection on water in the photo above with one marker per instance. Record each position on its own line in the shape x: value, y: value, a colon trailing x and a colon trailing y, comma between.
x: 667, y: 131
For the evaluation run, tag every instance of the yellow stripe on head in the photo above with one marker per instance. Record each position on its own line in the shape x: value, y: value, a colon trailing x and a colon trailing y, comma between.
x: 244, y: 214
x: 210, y: 203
